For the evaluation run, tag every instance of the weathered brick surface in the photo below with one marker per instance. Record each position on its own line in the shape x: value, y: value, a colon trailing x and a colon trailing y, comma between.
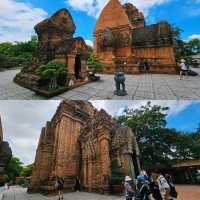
x: 55, y: 41
x: 5, y: 155
x: 121, y: 40
x: 81, y: 142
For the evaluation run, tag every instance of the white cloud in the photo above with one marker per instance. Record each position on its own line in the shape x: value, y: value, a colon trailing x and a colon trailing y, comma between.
x: 17, y: 20
x: 194, y: 36
x: 94, y: 7
x: 116, y: 108
x: 89, y: 43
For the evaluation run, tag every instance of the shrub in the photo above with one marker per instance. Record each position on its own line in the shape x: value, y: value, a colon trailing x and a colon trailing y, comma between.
x: 93, y: 63
x: 54, y: 72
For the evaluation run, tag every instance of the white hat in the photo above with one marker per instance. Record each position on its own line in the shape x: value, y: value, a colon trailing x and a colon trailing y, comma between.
x: 128, y: 178
x: 182, y: 60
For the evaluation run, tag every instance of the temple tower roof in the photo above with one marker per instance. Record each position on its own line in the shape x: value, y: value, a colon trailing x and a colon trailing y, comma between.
x: 112, y: 16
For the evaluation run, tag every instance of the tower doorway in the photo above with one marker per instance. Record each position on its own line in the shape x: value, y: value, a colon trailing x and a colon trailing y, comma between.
x: 77, y: 66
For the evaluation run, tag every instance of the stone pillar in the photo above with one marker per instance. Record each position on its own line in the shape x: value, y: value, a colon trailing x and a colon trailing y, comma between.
x: 71, y: 64
x: 104, y: 146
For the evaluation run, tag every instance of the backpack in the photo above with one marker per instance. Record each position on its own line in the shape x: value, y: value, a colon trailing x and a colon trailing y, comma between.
x: 138, y: 193
x: 60, y: 181
x: 173, y: 192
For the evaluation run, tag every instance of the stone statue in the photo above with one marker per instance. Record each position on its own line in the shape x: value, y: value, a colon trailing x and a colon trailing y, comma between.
x: 120, y: 81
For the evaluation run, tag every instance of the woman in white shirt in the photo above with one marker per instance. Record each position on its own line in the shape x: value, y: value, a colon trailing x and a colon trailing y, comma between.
x: 184, y: 70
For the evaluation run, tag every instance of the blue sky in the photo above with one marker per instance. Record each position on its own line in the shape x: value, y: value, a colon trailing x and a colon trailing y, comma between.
x: 188, y: 120
x: 24, y: 14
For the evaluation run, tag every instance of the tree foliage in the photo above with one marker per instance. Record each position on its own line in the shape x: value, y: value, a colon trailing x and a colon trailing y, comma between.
x: 13, y: 169
x: 27, y: 171
x: 55, y: 72
x: 185, y: 49
x: 158, y: 144
x: 16, y: 54
x: 93, y: 63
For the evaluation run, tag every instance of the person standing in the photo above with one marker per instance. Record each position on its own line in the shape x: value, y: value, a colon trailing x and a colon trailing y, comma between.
x: 60, y: 186
x: 129, y: 192
x: 77, y: 186
x: 142, y: 190
x: 184, y: 70
x: 162, y: 184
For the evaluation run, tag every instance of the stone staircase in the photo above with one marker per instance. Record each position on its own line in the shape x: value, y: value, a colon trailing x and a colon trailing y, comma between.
x: 50, y: 186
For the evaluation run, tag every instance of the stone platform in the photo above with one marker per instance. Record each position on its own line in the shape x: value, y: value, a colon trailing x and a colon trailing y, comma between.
x: 139, y: 87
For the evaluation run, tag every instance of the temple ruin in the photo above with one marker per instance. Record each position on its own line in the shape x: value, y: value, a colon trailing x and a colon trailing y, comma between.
x: 81, y: 141
x: 122, y: 40
x: 56, y: 41
x: 5, y: 155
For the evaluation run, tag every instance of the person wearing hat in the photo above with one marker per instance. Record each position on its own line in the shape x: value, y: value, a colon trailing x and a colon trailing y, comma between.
x: 184, y: 69
x: 142, y: 190
x: 129, y: 192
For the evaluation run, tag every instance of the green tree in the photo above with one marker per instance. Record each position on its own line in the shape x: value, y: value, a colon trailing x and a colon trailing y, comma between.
x: 53, y: 71
x: 13, y: 169
x: 93, y: 63
x: 5, y: 48
x: 158, y: 144
x: 27, y: 171
x: 194, y: 45
x: 148, y: 124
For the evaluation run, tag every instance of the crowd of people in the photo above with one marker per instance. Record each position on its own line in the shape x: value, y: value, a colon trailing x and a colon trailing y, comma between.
x: 153, y: 187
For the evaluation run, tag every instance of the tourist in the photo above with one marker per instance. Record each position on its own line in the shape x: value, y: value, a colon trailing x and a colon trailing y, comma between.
x: 155, y: 189
x: 129, y: 192
x: 144, y: 173
x: 142, y: 190
x: 6, y: 186
x: 184, y: 70
x: 60, y: 186
x: 77, y: 186
x: 162, y: 184
x: 173, y: 192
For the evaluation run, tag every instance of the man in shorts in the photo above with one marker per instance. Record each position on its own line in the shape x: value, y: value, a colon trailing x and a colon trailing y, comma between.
x: 60, y: 186
x: 184, y: 70
x: 128, y: 189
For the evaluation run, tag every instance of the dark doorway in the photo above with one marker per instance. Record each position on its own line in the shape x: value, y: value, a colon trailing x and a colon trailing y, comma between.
x: 77, y: 67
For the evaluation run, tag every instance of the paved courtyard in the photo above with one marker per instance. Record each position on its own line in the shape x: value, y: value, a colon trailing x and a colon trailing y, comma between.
x: 145, y: 86
x: 18, y: 193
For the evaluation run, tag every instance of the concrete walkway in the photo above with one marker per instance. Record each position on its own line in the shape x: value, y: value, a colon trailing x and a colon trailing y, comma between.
x: 18, y: 193
x: 139, y: 87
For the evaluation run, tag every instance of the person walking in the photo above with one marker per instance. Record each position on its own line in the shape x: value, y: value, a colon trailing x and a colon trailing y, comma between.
x: 128, y: 189
x: 184, y: 70
x: 162, y: 184
x: 173, y: 192
x: 60, y: 186
x: 142, y: 190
